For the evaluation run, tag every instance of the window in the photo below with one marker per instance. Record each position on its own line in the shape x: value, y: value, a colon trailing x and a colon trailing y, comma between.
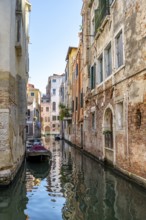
x: 100, y: 69
x: 32, y: 94
x: 72, y: 106
x: 54, y: 91
x: 54, y: 118
x: 28, y: 113
x: 27, y: 129
x: 101, y: 12
x: 110, y: 2
x: 53, y: 80
x: 18, y: 25
x: 41, y: 109
x: 92, y: 29
x: 119, y: 50
x: 138, y: 118
x: 93, y: 74
x: 58, y: 117
x: 108, y: 61
x: 18, y: 5
x: 119, y: 114
x: 54, y: 106
x: 53, y: 125
x: 81, y: 100
x: 47, y: 109
x: 76, y: 103
x: 77, y: 69
x: 93, y: 121
x: 46, y: 119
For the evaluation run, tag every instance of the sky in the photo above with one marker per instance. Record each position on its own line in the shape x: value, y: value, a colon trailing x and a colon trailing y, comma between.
x: 54, y: 26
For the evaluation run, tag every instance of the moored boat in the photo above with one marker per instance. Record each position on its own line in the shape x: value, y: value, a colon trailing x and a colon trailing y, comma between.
x: 38, y: 152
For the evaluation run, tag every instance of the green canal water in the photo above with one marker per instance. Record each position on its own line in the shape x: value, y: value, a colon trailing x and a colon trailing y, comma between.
x: 73, y: 187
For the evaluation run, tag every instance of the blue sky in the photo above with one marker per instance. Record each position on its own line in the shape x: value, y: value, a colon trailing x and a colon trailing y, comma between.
x: 54, y: 26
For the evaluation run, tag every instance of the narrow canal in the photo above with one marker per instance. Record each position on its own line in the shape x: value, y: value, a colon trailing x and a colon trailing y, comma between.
x: 74, y: 187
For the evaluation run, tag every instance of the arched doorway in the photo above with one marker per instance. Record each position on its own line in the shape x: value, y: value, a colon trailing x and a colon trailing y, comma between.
x: 108, y: 135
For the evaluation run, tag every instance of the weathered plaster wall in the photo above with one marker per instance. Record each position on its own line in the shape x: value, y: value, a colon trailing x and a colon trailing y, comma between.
x: 126, y: 85
x: 13, y: 77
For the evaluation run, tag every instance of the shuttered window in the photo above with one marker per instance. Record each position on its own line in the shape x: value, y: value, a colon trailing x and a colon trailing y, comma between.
x: 100, y: 69
x: 93, y: 76
x: 72, y: 106
x: 76, y: 103
x: 81, y: 100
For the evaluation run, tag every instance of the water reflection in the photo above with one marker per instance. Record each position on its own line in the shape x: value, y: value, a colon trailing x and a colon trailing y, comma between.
x: 13, y: 200
x: 74, y: 187
x: 35, y: 173
x: 95, y: 193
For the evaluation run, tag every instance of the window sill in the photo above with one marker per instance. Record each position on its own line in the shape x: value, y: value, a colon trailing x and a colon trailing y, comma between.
x: 112, y: 3
x: 99, y: 84
x: 120, y: 129
x: 106, y: 148
x: 119, y: 69
x: 108, y: 77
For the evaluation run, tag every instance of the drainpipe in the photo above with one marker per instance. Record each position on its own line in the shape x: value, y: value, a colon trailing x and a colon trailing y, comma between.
x: 127, y: 126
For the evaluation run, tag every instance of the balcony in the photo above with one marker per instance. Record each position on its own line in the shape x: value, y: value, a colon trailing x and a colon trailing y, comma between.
x: 101, y: 13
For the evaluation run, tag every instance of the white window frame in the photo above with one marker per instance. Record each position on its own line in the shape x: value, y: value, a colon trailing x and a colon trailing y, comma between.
x: 106, y: 59
x: 98, y: 69
x: 119, y: 117
x: 111, y: 5
x: 120, y: 31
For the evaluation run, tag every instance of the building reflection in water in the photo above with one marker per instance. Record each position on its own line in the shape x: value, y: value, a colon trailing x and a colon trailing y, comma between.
x: 36, y: 172
x: 74, y: 187
x: 13, y: 200
x: 95, y: 193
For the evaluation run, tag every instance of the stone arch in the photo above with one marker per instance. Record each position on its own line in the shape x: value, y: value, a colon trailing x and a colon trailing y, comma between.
x: 108, y: 134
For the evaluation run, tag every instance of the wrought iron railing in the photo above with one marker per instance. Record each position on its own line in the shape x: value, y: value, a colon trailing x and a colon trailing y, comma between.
x: 108, y: 140
x: 101, y: 13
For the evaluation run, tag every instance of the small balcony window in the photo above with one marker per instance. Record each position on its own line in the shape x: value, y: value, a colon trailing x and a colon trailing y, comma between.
x: 101, y: 12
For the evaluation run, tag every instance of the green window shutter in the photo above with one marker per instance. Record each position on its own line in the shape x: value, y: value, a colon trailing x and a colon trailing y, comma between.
x: 93, y: 76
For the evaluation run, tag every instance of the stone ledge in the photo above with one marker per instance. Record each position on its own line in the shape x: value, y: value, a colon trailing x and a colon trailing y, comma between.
x: 7, y: 176
x: 4, y: 110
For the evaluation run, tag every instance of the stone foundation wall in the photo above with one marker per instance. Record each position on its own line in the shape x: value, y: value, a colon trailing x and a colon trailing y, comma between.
x: 12, y: 143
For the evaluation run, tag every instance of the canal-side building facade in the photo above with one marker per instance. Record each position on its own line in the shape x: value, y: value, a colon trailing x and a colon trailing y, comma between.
x: 53, y: 91
x: 77, y: 97
x: 33, y: 123
x: 114, y: 69
x: 69, y: 72
x: 14, y: 23
x: 45, y: 115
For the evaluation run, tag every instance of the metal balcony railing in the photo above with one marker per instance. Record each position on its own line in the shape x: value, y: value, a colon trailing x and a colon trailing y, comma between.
x: 100, y: 13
